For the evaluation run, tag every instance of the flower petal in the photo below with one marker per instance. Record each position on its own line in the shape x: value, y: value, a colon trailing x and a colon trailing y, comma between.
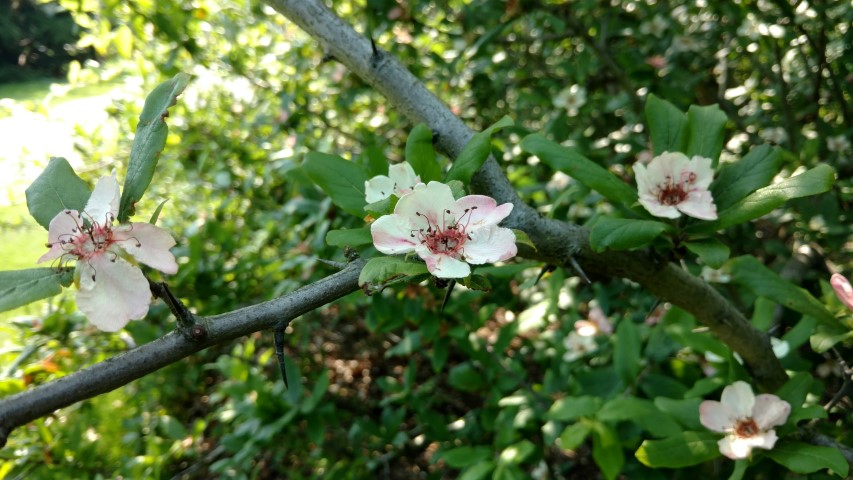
x: 699, y: 204
x: 657, y: 209
x: 443, y: 266
x: 104, y: 200
x: 842, y: 287
x: 735, y: 447
x: 483, y: 211
x: 378, y: 188
x: 63, y: 226
x: 490, y: 244
x: 715, y: 416
x: 404, y: 178
x: 149, y: 244
x: 701, y: 167
x: 770, y: 411
x: 392, y: 234
x: 112, y: 292
x: 739, y: 399
x: 426, y: 206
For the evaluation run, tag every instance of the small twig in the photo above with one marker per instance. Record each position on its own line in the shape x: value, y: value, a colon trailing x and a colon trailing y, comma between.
x: 845, y: 386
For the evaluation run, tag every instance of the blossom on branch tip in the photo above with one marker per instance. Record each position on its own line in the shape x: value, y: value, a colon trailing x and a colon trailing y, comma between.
x: 672, y: 184
x: 111, y: 290
x: 401, y: 180
x: 843, y: 289
x: 746, y: 419
x: 444, y: 232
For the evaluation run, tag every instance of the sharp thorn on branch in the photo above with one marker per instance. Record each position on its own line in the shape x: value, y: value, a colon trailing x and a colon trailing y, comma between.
x: 545, y: 269
x: 447, y: 295
x: 278, y: 338
x: 579, y: 270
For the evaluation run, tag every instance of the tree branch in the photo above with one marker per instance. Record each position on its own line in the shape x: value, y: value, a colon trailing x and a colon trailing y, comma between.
x: 557, y: 242
x: 122, y: 369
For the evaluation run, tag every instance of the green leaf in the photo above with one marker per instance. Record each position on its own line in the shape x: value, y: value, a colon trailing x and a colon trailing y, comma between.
x: 739, y: 470
x: 826, y: 336
x: 421, y: 155
x: 382, y: 207
x: 765, y: 200
x: 478, y: 471
x: 795, y: 390
x: 667, y: 125
x: 640, y: 411
x: 570, y: 408
x: 711, y: 251
x: 457, y: 188
x: 521, y: 238
x: 156, y: 214
x: 749, y: 272
x: 475, y: 153
x: 574, y: 435
x: 381, y: 270
x: 317, y: 393
x: 477, y: 282
x: 624, y: 233
x: 739, y: 179
x: 677, y: 451
x: 57, y: 188
x: 464, y: 377
x: 584, y: 170
x: 342, y: 180
x: 607, y: 450
x: 462, y: 457
x: 684, y: 411
x: 20, y: 287
x: 804, y: 458
x: 151, y: 132
x: 705, y: 127
x: 350, y: 237
x: 626, y: 353
x: 516, y: 453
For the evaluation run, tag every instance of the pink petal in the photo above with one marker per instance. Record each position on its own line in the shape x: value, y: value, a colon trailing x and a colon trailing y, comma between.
x: 427, y: 203
x: 699, y: 204
x: 443, y: 266
x: 104, y: 200
x: 119, y: 292
x: 149, y: 244
x: 770, y: 411
x: 842, y: 288
x: 490, y: 244
x: 715, y: 416
x: 739, y: 399
x: 63, y: 226
x: 378, y: 188
x: 392, y: 234
x: 482, y: 211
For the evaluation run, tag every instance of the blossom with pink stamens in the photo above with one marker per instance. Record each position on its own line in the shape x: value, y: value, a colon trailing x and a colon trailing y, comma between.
x: 447, y: 234
x: 111, y: 290
x: 672, y: 184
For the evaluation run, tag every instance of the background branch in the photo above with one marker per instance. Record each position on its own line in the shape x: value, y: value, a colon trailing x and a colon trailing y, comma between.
x: 557, y: 242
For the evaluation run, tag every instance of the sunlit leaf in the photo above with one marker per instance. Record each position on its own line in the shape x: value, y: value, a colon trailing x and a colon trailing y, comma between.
x: 680, y: 450
x: 20, y: 287
x: 475, y: 153
x: 667, y: 125
x: 340, y: 179
x: 624, y: 233
x: 421, y: 155
x: 57, y: 188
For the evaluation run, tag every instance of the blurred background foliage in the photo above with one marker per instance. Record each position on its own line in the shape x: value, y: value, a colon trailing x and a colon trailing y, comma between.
x: 390, y: 388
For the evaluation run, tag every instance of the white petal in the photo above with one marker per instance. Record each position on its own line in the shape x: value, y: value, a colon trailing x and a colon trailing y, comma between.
x: 658, y: 209
x: 770, y: 411
x: 117, y: 294
x: 378, y: 188
x: 699, y: 204
x: 393, y: 234
x: 739, y: 399
x: 480, y: 210
x: 64, y: 226
x: 404, y: 178
x: 735, y: 447
x: 443, y: 266
x: 765, y: 440
x: 149, y: 244
x: 667, y: 164
x: 715, y: 416
x: 427, y: 205
x: 490, y: 244
x: 104, y: 201
x: 701, y: 167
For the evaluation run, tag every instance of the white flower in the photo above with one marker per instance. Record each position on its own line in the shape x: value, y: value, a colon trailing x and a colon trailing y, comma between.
x: 401, y: 180
x: 842, y: 288
x: 838, y: 143
x: 571, y: 98
x: 577, y: 346
x: 746, y: 420
x: 671, y: 185
x: 656, y: 26
x: 111, y: 290
x: 595, y: 324
x: 776, y: 135
x: 444, y: 232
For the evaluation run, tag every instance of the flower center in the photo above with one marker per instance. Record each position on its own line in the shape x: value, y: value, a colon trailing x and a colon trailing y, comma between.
x: 671, y: 192
x: 449, y: 237
x: 746, y: 428
x: 89, y: 238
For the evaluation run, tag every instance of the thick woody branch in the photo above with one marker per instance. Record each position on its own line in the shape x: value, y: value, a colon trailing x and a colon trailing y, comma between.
x: 122, y: 369
x: 557, y: 242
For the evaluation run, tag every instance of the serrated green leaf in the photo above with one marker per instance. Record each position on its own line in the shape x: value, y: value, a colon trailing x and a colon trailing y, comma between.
x: 667, y: 125
x: 624, y: 233
x: 737, y: 180
x: 763, y: 201
x: 381, y: 270
x: 680, y: 450
x: 574, y: 435
x: 151, y: 132
x: 626, y: 352
x: 341, y: 180
x: 475, y: 153
x: 57, y: 188
x: 607, y: 450
x: 705, y: 127
x: 582, y: 169
x: 750, y: 273
x: 350, y: 237
x: 421, y: 154
x: 711, y: 251
x: 570, y: 408
x: 20, y: 287
x: 804, y: 458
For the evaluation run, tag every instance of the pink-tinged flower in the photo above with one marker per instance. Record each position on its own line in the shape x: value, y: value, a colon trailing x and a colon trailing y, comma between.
x: 672, y: 184
x: 444, y: 232
x: 595, y: 324
x: 111, y: 290
x: 842, y: 289
x: 746, y: 420
x: 401, y: 180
